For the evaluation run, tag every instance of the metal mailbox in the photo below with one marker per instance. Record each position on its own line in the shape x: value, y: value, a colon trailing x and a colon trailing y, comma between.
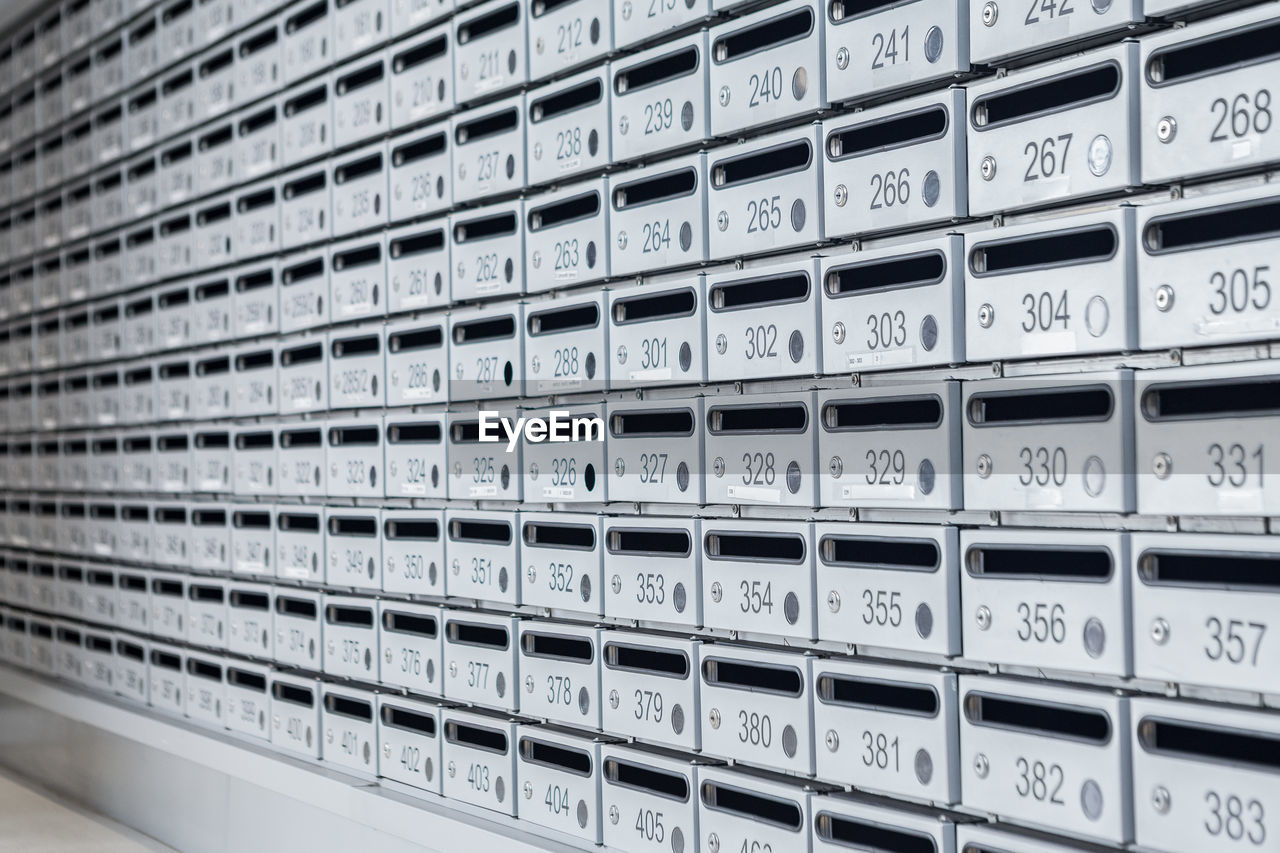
x: 297, y: 625
x: 215, y: 234
x: 488, y: 252
x: 137, y: 539
x: 178, y: 172
x: 216, y: 163
x: 1068, y: 748
x: 649, y: 688
x: 98, y: 668
x: 210, y: 318
x: 1063, y: 130
x: 569, y: 131
x: 418, y: 271
x: 412, y: 650
x: 304, y: 290
x: 173, y: 253
x: 564, y: 770
x: 421, y: 76
x: 420, y: 171
x: 295, y: 714
x: 663, y: 206
x: 43, y: 586
x: 351, y: 638
x: 100, y: 594
x: 108, y: 270
x: 305, y: 197
x: 173, y: 390
x: 490, y: 50
x: 137, y: 326
x: 360, y: 93
x: 1202, y: 108
x: 738, y: 807
x: 652, y: 440
x: 573, y: 472
x: 653, y: 570
x: 248, y: 701
x: 353, y: 546
x: 486, y: 353
x: 657, y: 334
x: 258, y: 142
x: 892, y: 446
x: 211, y: 459
x: 70, y: 589
x: 307, y: 40
x: 567, y: 236
x: 750, y: 216
x: 254, y: 299
x: 77, y: 217
x: 103, y: 531
x: 207, y: 612
x: 477, y: 472
x: 215, y: 84
x: 568, y: 35
x: 771, y: 315
x: 178, y: 30
x: 415, y: 456
x: 483, y: 549
x: 740, y: 562
x: 481, y: 750
x: 559, y: 670
x: 417, y: 360
x: 994, y: 38
x: 413, y: 558
x: 480, y: 659
x: 254, y: 461
x: 69, y: 654
x: 130, y: 668
x: 173, y: 462
x: 488, y: 150
x: 137, y: 462
x: 166, y: 678
x: 409, y: 732
x: 356, y: 368
x: 568, y: 337
x: 303, y: 373
x: 357, y: 277
x: 168, y: 606
x: 172, y: 315
x: 1056, y: 443
x: 300, y: 543
x: 249, y: 631
x: 255, y: 380
x: 104, y: 463
x: 171, y: 532
x: 662, y: 93
x: 306, y: 131
x: 140, y: 255
x: 779, y: 472
x: 215, y: 19
x: 360, y: 190
x: 252, y: 540
x: 257, y: 222
x: 1202, y: 438
x: 108, y: 72
x: 73, y: 532
x: 210, y: 547
x: 258, y: 63
x: 350, y: 722
x: 840, y: 824
x: 358, y: 25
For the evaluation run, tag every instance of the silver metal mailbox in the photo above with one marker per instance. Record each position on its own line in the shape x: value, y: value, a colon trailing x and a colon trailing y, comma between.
x: 568, y: 127
x: 1202, y: 776
x: 1066, y: 747
x: 305, y: 197
x: 255, y: 380
x: 295, y: 714
x: 137, y: 462
x: 131, y: 679
x: 490, y: 50
x: 178, y: 172
x: 303, y: 373
x: 740, y: 562
x: 258, y: 63
x: 489, y: 150
x: 1202, y: 440
x: 492, y: 471
x: 297, y: 625
x: 488, y: 251
x: 994, y: 37
x: 70, y: 590
x: 564, y: 771
x: 215, y: 19
x: 173, y: 461
x: 360, y: 184
x: 568, y: 35
x: 142, y: 118
x: 135, y: 401
x: 216, y: 161
x: 178, y: 30
x: 750, y: 216
x: 306, y: 131
x: 207, y: 612
x: 98, y: 660
x: 481, y: 750
x: 567, y: 236
x: 566, y: 343
x: 356, y: 373
x: 350, y: 722
x: 357, y: 277
x: 173, y: 252
x: 247, y: 701
x: 210, y: 546
x: 657, y: 451
x: 762, y: 449
x: 137, y: 326
x: 104, y: 463
x: 351, y: 638
x: 171, y: 532
x: 140, y: 254
x: 902, y: 582
x: 649, y: 688
x: 652, y: 569
x: 100, y: 594
x: 763, y: 322
x: 417, y: 360
x: 415, y: 455
x: 562, y: 556
x: 1202, y: 108
x: 409, y: 734
x: 103, y: 532
x: 249, y: 630
x: 258, y: 142
x: 166, y: 678
x: 412, y: 652
x: 136, y: 537
x: 69, y: 656
x: 254, y: 299
x: 353, y: 546
x: 483, y: 549
x: 304, y: 290
x: 413, y: 558
x: 418, y: 271
x: 254, y: 461
x: 840, y: 823
x: 168, y: 606
x: 1054, y: 443
x: 252, y: 540
x: 892, y: 446
x: 660, y: 98
x: 659, y: 216
x: 215, y: 83
x: 211, y: 458
x: 216, y: 233
x: 77, y: 222
x: 480, y: 659
x: 360, y: 94
x: 738, y: 807
x: 421, y: 76
x: 573, y: 472
x: 560, y: 674
x: 657, y: 333
x: 420, y: 170
x: 108, y: 71
x: 173, y: 390
x: 1063, y: 130
x: 307, y: 40
x: 257, y: 221
x: 300, y: 543
x: 358, y: 25
x: 486, y: 353
x: 173, y: 312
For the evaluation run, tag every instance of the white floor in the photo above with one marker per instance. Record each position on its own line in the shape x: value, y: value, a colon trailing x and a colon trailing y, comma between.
x: 33, y: 820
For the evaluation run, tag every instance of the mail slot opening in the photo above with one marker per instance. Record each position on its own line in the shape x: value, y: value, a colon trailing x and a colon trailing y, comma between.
x: 355, y: 617
x: 301, y: 354
x: 479, y: 737
x: 45, y: 632
x: 758, y: 547
x: 1043, y: 251
x: 417, y: 244
x: 663, y: 783
x: 304, y: 522
x: 882, y: 414
x: 353, y: 525
x: 757, y: 807
x: 567, y: 100
x: 212, y: 367
x: 659, y: 306
x: 255, y: 360
x: 1039, y: 562
x: 1217, y: 226
x: 764, y: 35
x: 302, y: 272
x: 306, y: 100
x: 254, y: 440
x: 134, y: 513
x: 880, y: 553
x: 477, y: 331
x: 249, y: 600
x: 1211, y: 569
x: 204, y: 669
x: 175, y: 370
x: 358, y: 168
x: 426, y: 530
x: 1061, y: 721
x: 209, y: 517
x: 580, y: 537
x: 247, y: 680
x: 565, y: 320
x: 664, y: 187
x: 69, y: 635
x: 257, y: 121
x: 485, y: 227
x: 253, y: 201
x: 102, y: 512
x: 1230, y: 50
x: 765, y: 163
x: 419, y: 54
x: 304, y: 185
x: 1062, y: 92
x: 483, y: 25
x: 132, y: 651
x: 890, y: 274
x: 344, y: 706
x: 178, y: 81
x: 300, y: 438
x: 567, y: 210
x: 492, y: 124
x: 767, y: 419
x: 371, y: 73
x: 197, y: 592
x: 361, y: 256
x: 646, y: 659
x: 1236, y: 398
x: 660, y: 69
x: 426, y: 432
x: 558, y: 646
x: 773, y: 290
x: 476, y: 634
x: 298, y: 607
x: 1039, y: 406
x: 174, y: 298
x: 403, y: 718
x: 419, y: 149
x: 410, y: 623
x: 475, y: 530
x: 309, y: 15
x: 761, y: 677
x: 164, y: 660
x: 363, y: 345
x: 651, y: 422
x: 217, y: 62
x: 878, y: 695
x: 649, y: 541
x: 866, y: 835
x: 1213, y: 743
x: 574, y: 761
x: 292, y: 694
